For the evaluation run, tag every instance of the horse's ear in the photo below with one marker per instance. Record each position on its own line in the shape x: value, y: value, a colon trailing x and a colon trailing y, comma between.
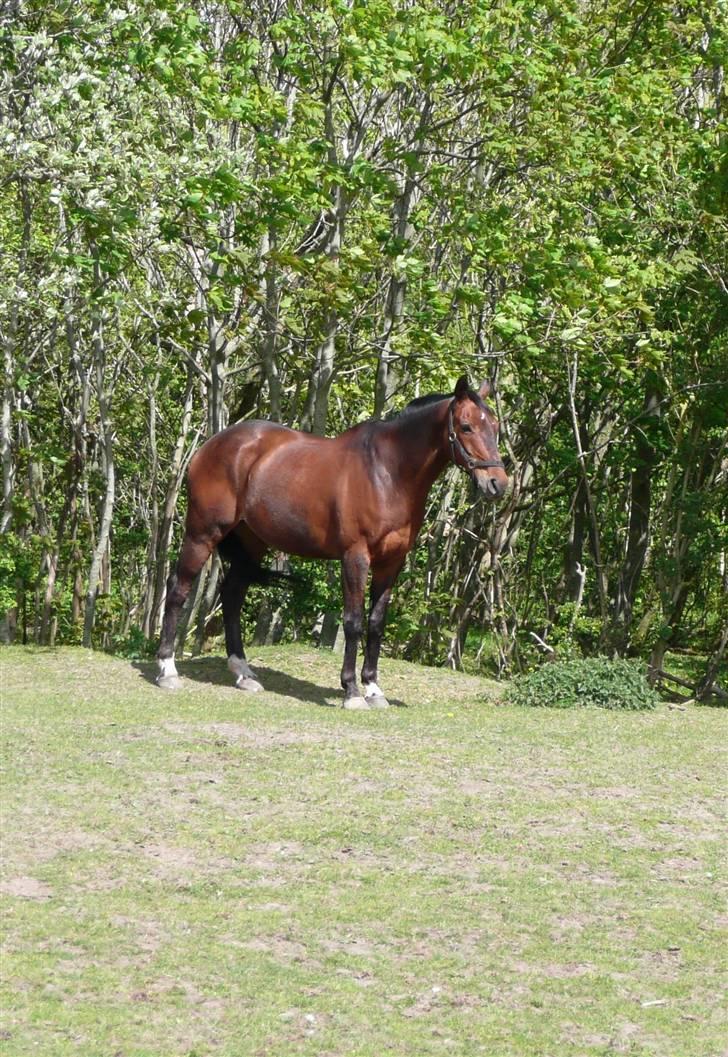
x: 462, y: 388
x: 485, y: 390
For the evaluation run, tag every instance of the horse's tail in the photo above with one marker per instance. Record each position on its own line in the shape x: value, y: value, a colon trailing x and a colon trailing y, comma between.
x: 231, y: 549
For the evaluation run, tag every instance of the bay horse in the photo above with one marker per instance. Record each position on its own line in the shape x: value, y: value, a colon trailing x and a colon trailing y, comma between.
x: 359, y: 498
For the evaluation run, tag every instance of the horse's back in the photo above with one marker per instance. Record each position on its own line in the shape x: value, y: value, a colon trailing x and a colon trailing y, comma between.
x: 240, y: 439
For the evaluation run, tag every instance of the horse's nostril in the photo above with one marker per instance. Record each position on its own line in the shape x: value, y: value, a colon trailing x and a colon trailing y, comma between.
x: 493, y: 486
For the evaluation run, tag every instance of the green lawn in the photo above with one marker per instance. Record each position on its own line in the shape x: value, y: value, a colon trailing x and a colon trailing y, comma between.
x: 213, y: 873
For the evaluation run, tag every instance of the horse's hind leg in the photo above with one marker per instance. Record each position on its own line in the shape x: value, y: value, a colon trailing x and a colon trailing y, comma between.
x: 241, y: 573
x: 193, y: 556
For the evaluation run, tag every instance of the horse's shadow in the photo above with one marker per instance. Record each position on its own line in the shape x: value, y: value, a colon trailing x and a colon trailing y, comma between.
x: 213, y: 671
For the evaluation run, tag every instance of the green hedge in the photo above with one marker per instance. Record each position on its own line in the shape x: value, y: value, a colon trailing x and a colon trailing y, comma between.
x: 596, y: 681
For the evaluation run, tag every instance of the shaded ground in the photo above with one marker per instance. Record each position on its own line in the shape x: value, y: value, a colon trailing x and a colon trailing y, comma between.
x: 223, y: 874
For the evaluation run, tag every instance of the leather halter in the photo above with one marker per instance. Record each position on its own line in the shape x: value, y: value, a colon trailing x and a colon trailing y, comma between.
x: 468, y: 463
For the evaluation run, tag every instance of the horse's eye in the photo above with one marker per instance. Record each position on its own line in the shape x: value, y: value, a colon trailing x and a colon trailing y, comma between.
x: 466, y: 428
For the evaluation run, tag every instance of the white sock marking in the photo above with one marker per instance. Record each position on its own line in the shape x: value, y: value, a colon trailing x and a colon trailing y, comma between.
x: 167, y: 667
x: 372, y: 690
x: 240, y: 667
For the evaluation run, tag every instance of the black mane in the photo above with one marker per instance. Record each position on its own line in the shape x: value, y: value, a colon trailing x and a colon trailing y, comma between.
x: 418, y: 404
x: 431, y: 398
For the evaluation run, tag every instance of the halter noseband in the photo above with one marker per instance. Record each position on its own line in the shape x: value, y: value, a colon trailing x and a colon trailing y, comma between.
x: 469, y: 463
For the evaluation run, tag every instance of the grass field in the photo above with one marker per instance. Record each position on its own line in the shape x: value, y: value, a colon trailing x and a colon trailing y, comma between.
x: 214, y: 873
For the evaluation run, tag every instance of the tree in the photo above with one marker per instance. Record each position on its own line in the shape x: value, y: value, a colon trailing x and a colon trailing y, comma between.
x: 315, y: 214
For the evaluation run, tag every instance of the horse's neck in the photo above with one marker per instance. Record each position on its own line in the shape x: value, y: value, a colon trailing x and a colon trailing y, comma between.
x: 418, y: 452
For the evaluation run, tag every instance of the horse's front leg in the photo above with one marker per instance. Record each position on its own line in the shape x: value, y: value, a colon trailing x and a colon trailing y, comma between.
x: 354, y: 570
x: 379, y: 596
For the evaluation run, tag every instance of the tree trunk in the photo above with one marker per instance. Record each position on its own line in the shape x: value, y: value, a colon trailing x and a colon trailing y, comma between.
x: 269, y: 298
x: 107, y: 449
x: 574, y: 550
x: 10, y: 338
x: 387, y: 376
x: 153, y: 519
x: 216, y: 411
x: 594, y: 532
x: 163, y: 540
x: 6, y: 441
x: 638, y: 536
x: 315, y: 411
x: 705, y: 687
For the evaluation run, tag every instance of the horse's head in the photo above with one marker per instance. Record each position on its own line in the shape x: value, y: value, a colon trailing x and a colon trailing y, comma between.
x: 473, y: 435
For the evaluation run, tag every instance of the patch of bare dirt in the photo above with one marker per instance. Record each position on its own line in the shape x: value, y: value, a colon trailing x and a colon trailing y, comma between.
x: 626, y: 1038
x: 664, y: 965
x: 480, y: 788
x: 26, y: 888
x: 683, y: 869
x: 282, y: 948
x: 469, y: 944
x: 237, y: 733
x: 268, y: 857
x: 442, y: 998
x: 104, y: 878
x: 175, y: 862
x: 617, y: 792
x: 298, y: 1027
x: 554, y: 970
x: 354, y: 946
x: 40, y: 840
x: 603, y: 879
x: 148, y: 934
x: 574, y: 1035
x: 223, y: 734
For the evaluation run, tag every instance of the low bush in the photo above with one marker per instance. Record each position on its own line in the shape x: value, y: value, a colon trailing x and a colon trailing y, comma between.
x: 596, y: 681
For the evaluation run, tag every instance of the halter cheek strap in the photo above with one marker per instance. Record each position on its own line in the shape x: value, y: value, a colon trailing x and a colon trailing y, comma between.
x: 468, y: 463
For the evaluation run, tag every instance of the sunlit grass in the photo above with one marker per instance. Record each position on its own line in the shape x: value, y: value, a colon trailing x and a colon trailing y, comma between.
x: 213, y: 873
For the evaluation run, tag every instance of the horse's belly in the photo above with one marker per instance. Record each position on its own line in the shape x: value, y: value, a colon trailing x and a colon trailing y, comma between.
x: 291, y: 518
x: 279, y: 530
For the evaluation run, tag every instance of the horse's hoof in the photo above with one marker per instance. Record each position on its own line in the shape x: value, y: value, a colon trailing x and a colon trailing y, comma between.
x: 378, y: 701
x: 357, y: 704
x: 169, y: 682
x: 252, y: 686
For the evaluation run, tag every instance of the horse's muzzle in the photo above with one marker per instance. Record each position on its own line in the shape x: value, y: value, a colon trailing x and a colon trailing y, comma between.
x: 492, y: 483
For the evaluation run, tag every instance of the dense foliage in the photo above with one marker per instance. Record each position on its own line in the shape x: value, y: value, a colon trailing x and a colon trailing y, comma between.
x: 312, y: 213
x: 588, y: 681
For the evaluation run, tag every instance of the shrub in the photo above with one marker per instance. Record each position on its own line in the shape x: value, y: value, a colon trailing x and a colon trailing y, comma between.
x: 589, y: 681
